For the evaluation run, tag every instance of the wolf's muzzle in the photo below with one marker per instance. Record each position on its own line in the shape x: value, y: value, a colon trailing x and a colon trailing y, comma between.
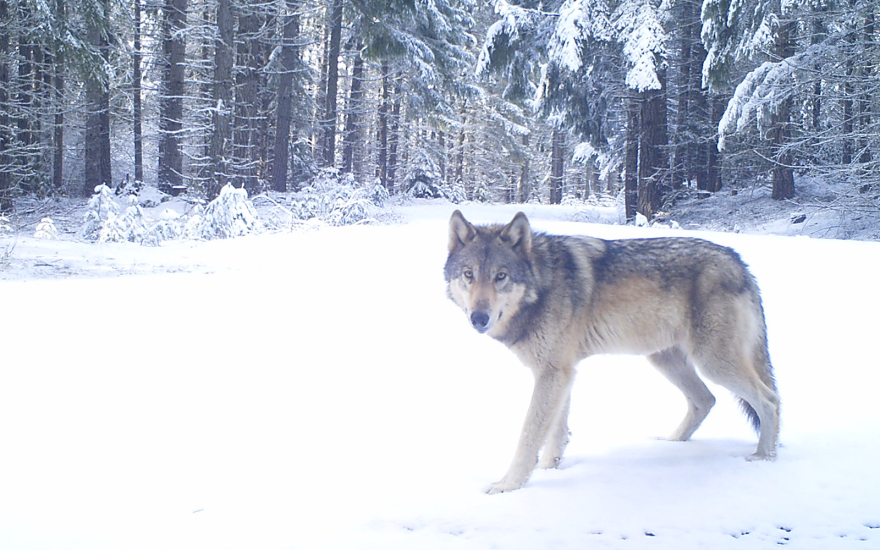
x: 480, y: 320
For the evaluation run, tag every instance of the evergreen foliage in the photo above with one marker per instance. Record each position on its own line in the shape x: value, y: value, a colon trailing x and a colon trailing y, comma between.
x: 338, y: 199
x: 231, y: 214
x: 433, y: 98
x: 45, y: 230
x: 102, y: 208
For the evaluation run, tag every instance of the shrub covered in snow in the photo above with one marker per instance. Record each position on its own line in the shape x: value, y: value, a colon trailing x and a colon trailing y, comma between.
x: 423, y: 181
x: 454, y: 193
x: 5, y: 226
x: 104, y: 223
x: 164, y: 230
x: 167, y: 228
x: 101, y: 208
x: 378, y: 195
x: 149, y: 197
x: 231, y: 214
x: 130, y: 226
x: 338, y: 199
x: 482, y: 193
x: 193, y: 223
x: 423, y: 189
x: 46, y: 230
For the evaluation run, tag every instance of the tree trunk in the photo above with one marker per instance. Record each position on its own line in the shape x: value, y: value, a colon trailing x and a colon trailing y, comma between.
x: 818, y: 34
x: 220, y: 143
x: 441, y: 153
x: 58, y: 129
x: 25, y: 73
x: 684, y: 147
x: 713, y: 157
x: 382, y: 136
x: 285, y: 84
x: 351, y: 137
x: 170, y: 170
x: 394, y: 138
x: 869, y: 84
x: 246, y: 153
x: 847, y: 127
x: 781, y: 175
x: 459, y: 158
x: 328, y: 123
x: 97, y: 154
x: 524, y: 175
x: 55, y: 82
x: 137, y: 99
x: 631, y: 170
x: 557, y: 166
x: 5, y: 136
x: 704, y: 151
x: 652, y: 149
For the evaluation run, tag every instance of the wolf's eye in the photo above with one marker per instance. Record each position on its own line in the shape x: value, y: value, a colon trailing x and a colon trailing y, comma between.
x: 468, y: 274
x: 500, y: 277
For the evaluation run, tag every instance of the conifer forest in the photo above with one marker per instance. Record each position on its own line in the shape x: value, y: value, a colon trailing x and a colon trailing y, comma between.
x: 504, y: 100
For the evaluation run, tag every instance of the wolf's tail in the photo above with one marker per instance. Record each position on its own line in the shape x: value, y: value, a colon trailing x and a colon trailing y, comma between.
x: 751, y: 413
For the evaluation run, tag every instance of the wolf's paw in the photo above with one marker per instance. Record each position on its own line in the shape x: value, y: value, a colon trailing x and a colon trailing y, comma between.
x: 667, y: 438
x: 769, y: 457
x: 549, y: 462
x: 504, y: 486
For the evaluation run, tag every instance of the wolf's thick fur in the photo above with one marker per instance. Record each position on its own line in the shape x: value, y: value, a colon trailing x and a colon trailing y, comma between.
x: 687, y: 304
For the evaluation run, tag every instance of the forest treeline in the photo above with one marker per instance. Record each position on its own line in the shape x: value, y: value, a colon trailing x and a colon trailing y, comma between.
x: 507, y: 100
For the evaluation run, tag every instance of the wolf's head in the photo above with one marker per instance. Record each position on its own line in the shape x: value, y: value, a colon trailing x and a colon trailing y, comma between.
x: 489, y: 270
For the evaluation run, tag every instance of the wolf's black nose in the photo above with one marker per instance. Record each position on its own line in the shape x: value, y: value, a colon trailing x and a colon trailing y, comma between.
x: 480, y: 320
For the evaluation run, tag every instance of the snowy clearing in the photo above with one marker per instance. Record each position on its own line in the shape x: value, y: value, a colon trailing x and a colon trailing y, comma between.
x: 316, y: 389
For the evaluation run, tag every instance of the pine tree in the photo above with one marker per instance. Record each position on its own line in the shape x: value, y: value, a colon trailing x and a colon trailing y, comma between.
x: 289, y: 56
x: 644, y: 40
x: 736, y: 34
x: 328, y: 116
x: 170, y: 171
x: 219, y: 166
x: 137, y: 99
x: 97, y: 150
x: 250, y: 149
x: 6, y: 183
x: 355, y: 107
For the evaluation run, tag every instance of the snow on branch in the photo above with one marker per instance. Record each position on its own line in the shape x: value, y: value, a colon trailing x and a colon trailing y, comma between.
x: 231, y: 214
x: 735, y: 32
x: 757, y: 98
x: 584, y: 152
x: 641, y: 32
x: 580, y: 21
x: 511, y: 20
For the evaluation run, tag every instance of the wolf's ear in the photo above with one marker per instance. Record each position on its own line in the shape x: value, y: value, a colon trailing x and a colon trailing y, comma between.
x: 461, y: 231
x: 518, y: 233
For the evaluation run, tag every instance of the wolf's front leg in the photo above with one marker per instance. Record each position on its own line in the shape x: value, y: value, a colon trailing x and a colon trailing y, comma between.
x: 557, y: 437
x: 552, y: 388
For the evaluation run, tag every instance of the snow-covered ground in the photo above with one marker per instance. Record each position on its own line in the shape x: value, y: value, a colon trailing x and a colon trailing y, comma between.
x: 316, y: 389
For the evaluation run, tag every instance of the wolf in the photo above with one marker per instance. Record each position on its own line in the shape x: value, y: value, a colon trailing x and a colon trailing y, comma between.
x: 687, y: 304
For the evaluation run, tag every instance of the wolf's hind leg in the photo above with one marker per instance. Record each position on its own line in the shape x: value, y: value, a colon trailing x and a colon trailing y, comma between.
x: 732, y: 369
x: 557, y: 439
x: 740, y: 378
x: 673, y: 364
